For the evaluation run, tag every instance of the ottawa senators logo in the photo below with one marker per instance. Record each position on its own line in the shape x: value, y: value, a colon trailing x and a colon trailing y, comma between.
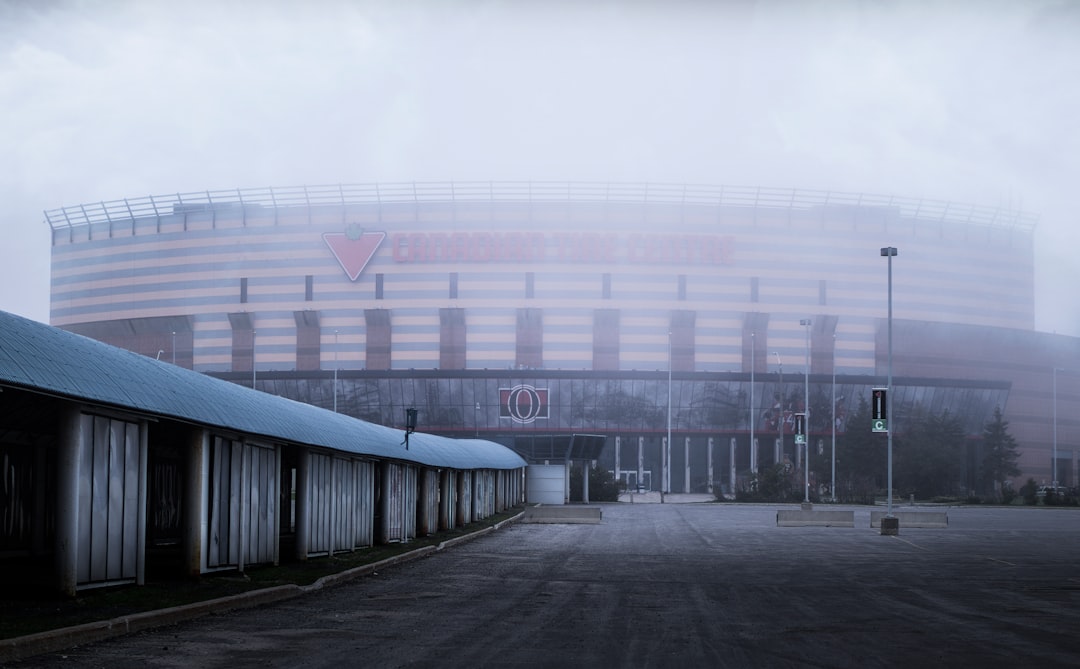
x: 523, y: 404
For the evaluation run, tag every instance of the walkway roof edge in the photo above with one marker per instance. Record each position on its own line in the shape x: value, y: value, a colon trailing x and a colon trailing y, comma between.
x: 41, y: 358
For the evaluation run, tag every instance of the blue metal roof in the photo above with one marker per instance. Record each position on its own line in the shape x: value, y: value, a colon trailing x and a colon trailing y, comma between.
x: 42, y: 358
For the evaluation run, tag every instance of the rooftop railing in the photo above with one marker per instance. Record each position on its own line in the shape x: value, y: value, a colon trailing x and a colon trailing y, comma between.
x: 128, y: 209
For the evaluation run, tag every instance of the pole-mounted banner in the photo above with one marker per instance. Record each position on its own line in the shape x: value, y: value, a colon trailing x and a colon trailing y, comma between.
x: 800, y: 428
x: 879, y: 410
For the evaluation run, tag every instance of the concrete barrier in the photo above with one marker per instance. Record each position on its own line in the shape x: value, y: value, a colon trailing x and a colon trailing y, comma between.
x: 818, y: 518
x: 562, y: 514
x: 913, y: 518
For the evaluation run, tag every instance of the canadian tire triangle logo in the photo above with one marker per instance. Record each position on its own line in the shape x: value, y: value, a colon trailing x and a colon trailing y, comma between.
x: 353, y: 248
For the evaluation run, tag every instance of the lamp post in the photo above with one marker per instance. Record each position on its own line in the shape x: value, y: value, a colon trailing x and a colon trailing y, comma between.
x: 174, y: 347
x: 780, y: 449
x: 665, y: 484
x: 832, y: 419
x: 805, y: 322
x: 253, y: 359
x: 753, y: 450
x: 889, y: 252
x: 1054, y: 467
x: 335, y: 368
x: 410, y: 427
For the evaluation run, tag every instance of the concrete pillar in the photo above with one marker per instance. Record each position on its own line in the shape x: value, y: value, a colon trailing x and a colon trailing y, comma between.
x: 731, y: 465
x: 426, y: 501
x: 641, y: 462
x: 586, y: 467
x: 387, y: 488
x: 754, y: 455
x: 665, y: 466
x: 242, y: 503
x: 445, y: 498
x: 38, y: 538
x: 618, y: 459
x: 710, y: 473
x: 196, y: 521
x: 460, y: 517
x: 686, y: 454
x: 68, y: 449
x: 278, y: 452
x: 500, y: 493
x: 331, y: 496
x: 140, y: 532
x: 303, y: 504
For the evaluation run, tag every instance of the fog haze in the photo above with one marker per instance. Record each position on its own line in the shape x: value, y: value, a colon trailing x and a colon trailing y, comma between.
x: 974, y: 102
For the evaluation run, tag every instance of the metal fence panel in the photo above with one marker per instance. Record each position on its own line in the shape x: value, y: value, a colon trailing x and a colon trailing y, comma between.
x: 108, y: 500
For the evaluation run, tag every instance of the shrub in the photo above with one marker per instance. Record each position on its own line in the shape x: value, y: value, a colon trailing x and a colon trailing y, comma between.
x: 602, y: 485
x: 1007, y: 494
x: 1030, y: 492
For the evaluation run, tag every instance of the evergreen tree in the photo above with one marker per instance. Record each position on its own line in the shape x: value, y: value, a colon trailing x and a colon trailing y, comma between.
x: 929, y: 459
x: 999, y: 454
x: 860, y: 458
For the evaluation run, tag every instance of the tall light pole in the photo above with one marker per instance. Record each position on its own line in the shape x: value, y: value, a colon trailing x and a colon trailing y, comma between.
x: 335, y: 368
x: 889, y: 252
x: 832, y: 418
x: 1056, y: 370
x: 805, y: 322
x: 753, y: 450
x: 780, y: 451
x: 253, y: 359
x: 174, y: 347
x: 665, y: 485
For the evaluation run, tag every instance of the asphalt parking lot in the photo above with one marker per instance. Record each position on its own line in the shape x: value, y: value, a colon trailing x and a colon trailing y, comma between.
x: 672, y: 585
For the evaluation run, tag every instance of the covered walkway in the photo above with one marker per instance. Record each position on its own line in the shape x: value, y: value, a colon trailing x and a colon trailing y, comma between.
x: 113, y: 461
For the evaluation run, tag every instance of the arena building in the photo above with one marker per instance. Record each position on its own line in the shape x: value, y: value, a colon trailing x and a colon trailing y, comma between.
x: 687, y: 324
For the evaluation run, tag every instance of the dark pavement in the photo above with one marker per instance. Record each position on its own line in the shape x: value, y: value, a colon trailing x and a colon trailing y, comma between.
x: 672, y: 585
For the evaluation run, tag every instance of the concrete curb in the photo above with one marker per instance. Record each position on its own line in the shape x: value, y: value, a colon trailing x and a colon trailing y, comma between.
x: 562, y: 514
x: 22, y: 647
x: 815, y: 518
x: 917, y: 519
x: 53, y: 640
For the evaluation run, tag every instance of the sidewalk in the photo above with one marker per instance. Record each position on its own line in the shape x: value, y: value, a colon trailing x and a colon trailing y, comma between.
x: 22, y: 647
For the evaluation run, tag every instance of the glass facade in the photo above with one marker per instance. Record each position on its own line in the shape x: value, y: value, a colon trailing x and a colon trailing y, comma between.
x: 565, y: 403
x: 536, y: 412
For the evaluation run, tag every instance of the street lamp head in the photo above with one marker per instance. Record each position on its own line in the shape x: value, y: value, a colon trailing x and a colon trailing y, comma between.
x: 888, y: 251
x: 805, y: 321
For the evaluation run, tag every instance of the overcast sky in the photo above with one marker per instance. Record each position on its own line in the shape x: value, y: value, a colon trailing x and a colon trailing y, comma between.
x: 974, y: 102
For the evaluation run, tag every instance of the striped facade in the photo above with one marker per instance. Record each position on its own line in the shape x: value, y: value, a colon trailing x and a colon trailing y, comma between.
x: 610, y: 284
x: 548, y: 285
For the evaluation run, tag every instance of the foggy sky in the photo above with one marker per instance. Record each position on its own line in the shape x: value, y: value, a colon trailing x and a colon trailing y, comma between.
x: 973, y: 102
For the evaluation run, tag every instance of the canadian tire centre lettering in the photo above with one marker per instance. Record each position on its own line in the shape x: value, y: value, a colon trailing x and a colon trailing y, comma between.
x: 355, y: 248
x: 523, y: 403
x: 478, y: 247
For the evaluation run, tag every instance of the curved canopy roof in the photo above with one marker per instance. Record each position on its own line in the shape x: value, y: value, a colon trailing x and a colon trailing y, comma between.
x: 45, y: 359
